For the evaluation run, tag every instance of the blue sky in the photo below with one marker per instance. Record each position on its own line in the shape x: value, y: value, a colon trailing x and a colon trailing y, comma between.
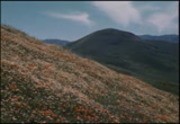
x: 73, y: 20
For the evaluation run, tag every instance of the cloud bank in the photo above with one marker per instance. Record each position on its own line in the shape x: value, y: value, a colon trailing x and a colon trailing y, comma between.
x: 121, y: 12
x: 162, y: 21
x: 125, y: 13
x: 159, y: 18
x: 165, y: 20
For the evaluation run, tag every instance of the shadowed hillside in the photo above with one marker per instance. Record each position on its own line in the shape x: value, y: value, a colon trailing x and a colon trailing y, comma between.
x: 154, y: 62
x: 45, y: 83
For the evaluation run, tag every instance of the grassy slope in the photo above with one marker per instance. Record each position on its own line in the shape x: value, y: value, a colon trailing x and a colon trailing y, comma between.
x: 45, y: 83
x: 153, y: 62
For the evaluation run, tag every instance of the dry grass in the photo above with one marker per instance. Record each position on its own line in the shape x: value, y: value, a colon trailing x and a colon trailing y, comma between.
x: 46, y: 83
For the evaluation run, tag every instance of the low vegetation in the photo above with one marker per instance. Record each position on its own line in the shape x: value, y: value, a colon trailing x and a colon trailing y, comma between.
x: 48, y: 84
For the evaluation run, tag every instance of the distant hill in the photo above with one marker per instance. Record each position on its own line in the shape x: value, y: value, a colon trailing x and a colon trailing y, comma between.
x: 42, y: 83
x: 56, y: 41
x: 168, y: 38
x: 154, y: 62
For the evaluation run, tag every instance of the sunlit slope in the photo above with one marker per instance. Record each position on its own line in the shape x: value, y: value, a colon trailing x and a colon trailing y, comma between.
x: 45, y: 83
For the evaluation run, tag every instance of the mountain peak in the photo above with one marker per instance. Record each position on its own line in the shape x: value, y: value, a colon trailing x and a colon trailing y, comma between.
x: 105, y: 37
x: 113, y: 31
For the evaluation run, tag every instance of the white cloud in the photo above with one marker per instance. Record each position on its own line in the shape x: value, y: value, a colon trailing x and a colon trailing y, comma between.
x: 165, y: 20
x: 163, y: 17
x: 162, y: 21
x: 78, y: 17
x: 122, y: 12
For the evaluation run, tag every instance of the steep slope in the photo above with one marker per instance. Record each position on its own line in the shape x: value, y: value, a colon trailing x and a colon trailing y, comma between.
x: 154, y: 62
x: 56, y: 42
x: 172, y: 38
x: 45, y: 83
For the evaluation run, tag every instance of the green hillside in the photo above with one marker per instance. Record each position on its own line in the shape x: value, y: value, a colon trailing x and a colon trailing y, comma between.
x: 154, y: 62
